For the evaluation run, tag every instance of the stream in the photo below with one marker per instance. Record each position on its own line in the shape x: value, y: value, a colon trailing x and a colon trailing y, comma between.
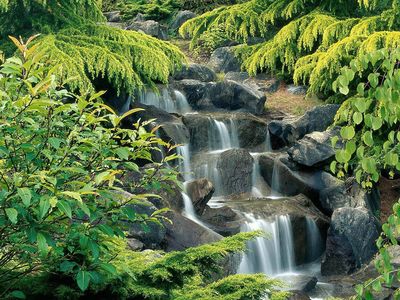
x: 274, y: 254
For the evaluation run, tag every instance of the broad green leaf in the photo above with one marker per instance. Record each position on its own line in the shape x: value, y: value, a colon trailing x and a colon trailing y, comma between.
x: 42, y: 244
x: 357, y: 118
x: 64, y: 207
x: 347, y: 132
x: 12, y: 215
x: 83, y: 280
x: 25, y: 195
x: 368, y: 138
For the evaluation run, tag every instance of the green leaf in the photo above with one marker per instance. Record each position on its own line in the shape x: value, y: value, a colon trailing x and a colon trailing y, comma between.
x: 64, y: 207
x: 344, y: 90
x: 25, y: 195
x: 73, y: 195
x: 347, y: 132
x: 42, y: 244
x: 44, y: 206
x: 12, y: 215
x: 18, y: 295
x: 83, y: 280
x: 357, y: 118
x: 368, y: 139
x: 373, y: 79
x: 109, y: 268
x: 376, y: 123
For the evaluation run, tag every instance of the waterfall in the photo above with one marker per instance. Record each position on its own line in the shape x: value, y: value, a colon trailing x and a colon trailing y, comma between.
x: 224, y: 136
x: 184, y: 164
x: 275, y: 180
x: 183, y: 106
x: 315, y: 244
x: 165, y: 101
x: 271, y: 255
x: 268, y: 146
x: 259, y: 187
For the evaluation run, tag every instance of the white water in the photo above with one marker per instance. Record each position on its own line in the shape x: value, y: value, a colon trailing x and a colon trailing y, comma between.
x: 268, y: 146
x: 184, y: 164
x: 163, y: 100
x: 314, y: 240
x: 272, y: 255
x: 259, y: 187
x: 275, y: 181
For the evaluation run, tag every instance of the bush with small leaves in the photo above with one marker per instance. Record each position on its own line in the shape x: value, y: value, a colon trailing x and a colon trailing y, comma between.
x: 369, y: 117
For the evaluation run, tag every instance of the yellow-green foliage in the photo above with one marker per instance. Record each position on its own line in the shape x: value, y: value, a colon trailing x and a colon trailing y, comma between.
x: 128, y: 59
x: 76, y: 37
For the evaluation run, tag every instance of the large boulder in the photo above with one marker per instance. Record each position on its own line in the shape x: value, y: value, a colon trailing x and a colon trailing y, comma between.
x: 232, y: 95
x: 113, y: 16
x: 297, y: 89
x: 351, y: 241
x: 286, y: 177
x: 224, y: 60
x: 249, y: 130
x: 180, y: 18
x: 287, y: 131
x: 196, y: 72
x: 261, y: 82
x: 222, y: 220
x: 349, y: 194
x: 149, y: 27
x: 235, y: 168
x: 184, y: 233
x: 200, y: 192
x: 195, y: 92
x: 313, y: 149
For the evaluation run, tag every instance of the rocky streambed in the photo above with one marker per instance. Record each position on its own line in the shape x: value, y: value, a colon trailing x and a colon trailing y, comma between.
x: 245, y: 169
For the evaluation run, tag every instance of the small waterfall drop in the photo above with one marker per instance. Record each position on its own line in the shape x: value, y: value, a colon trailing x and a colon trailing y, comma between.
x: 268, y: 146
x: 275, y: 181
x: 184, y: 164
x: 271, y: 255
x: 224, y: 136
x: 315, y: 243
x: 164, y: 101
x: 259, y: 187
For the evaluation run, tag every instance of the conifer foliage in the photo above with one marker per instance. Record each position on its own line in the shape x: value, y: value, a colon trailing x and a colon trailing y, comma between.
x: 75, y: 35
x: 310, y: 40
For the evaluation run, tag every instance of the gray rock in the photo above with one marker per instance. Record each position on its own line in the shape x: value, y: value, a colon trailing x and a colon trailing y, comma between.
x: 196, y: 72
x: 287, y: 131
x: 139, y: 18
x: 303, y: 283
x: 222, y: 220
x: 184, y: 233
x: 134, y: 244
x: 235, y: 168
x: 350, y: 242
x: 195, y: 92
x: 180, y: 18
x: 313, y: 149
x: 349, y: 194
x: 113, y: 16
x: 224, y: 60
x: 297, y: 89
x: 232, y: 95
x: 150, y: 27
x: 251, y: 130
x: 200, y: 192
x: 298, y: 295
x: 288, y: 179
x: 261, y: 82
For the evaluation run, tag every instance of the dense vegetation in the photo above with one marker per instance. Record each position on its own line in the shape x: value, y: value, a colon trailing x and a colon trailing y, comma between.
x: 307, y: 40
x: 91, y: 54
x: 63, y: 209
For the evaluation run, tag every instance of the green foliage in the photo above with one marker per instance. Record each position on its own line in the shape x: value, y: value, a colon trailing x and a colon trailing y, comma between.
x: 87, y: 49
x: 309, y: 40
x: 150, y: 9
x: 389, y: 274
x: 369, y: 116
x: 61, y: 158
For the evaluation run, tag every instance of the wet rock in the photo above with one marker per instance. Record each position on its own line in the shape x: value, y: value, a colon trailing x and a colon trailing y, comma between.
x: 349, y: 194
x: 224, y: 60
x: 313, y: 149
x: 196, y: 72
x: 180, y: 18
x: 134, y: 244
x: 151, y: 234
x: 232, y: 95
x: 251, y: 131
x: 200, y: 192
x: 287, y: 131
x: 235, y: 168
x: 303, y: 283
x: 184, y: 233
x: 261, y: 82
x: 297, y: 89
x: 195, y: 92
x: 113, y: 16
x: 222, y: 220
x: 350, y: 242
x: 149, y: 27
x: 288, y: 179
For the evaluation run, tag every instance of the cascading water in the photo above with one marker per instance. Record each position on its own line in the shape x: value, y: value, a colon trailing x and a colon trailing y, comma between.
x: 315, y: 244
x: 163, y: 100
x: 259, y: 187
x: 268, y: 146
x: 223, y: 136
x: 184, y: 164
x: 271, y: 255
x: 275, y: 181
